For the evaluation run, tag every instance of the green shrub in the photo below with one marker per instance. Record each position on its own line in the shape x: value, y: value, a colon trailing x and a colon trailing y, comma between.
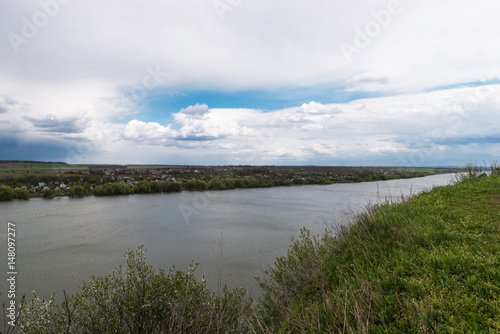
x: 139, y: 299
x: 172, y: 187
x: 216, y: 184
x: 48, y: 193
x: 156, y: 187
x: 142, y: 187
x: 281, y: 182
x: 195, y: 185
x: 77, y: 191
x: 113, y: 189
x: 6, y: 193
x: 21, y: 194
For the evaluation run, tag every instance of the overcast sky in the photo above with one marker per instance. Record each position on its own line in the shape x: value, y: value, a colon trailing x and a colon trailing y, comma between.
x: 323, y: 82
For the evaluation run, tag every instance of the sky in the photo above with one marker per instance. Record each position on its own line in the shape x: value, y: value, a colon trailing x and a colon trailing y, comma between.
x: 250, y: 82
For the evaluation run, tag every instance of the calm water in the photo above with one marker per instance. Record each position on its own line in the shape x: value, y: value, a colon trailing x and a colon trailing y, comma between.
x: 234, y: 234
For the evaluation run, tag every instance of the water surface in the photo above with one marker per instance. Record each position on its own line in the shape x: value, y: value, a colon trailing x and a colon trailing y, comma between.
x: 233, y: 234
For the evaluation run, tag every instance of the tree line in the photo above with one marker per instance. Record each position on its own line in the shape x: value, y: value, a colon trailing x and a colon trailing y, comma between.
x: 109, y: 188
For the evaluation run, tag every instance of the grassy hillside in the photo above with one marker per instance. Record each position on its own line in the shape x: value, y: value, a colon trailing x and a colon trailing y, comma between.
x: 430, y: 264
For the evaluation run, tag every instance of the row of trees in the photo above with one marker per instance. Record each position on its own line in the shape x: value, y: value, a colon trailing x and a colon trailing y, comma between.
x: 223, y: 184
x: 143, y: 187
x: 107, y: 189
x: 7, y: 193
x: 155, y: 187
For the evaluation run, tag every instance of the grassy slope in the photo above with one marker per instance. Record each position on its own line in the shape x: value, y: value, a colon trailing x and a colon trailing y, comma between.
x: 431, y: 264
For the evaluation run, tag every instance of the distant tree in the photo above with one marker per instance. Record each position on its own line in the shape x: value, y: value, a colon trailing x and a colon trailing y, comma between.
x: 281, y: 182
x: 195, y: 185
x: 77, y: 191
x: 48, y: 193
x: 100, y: 191
x: 113, y: 189
x: 172, y: 187
x: 229, y: 183
x: 156, y: 187
x: 216, y: 184
x: 87, y: 187
x: 241, y: 183
x: 142, y: 187
x: 6, y: 193
x: 21, y: 194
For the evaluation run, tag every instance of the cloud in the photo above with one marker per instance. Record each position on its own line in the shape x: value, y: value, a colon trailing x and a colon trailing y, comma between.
x: 150, y: 132
x: 201, y: 124
x: 433, y: 126
x: 368, y: 82
x: 318, y: 108
x: 196, y: 110
x: 54, y: 124
x: 7, y: 104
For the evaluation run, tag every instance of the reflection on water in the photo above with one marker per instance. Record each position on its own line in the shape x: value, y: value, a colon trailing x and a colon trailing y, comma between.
x: 234, y: 234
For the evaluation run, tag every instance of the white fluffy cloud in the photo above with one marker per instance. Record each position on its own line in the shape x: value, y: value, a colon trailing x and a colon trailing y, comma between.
x: 418, y: 129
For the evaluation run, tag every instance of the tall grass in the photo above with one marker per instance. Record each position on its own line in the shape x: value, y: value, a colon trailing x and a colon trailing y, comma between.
x: 429, y: 264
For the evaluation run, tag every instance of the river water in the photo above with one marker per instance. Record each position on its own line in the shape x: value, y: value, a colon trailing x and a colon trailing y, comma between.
x: 234, y: 235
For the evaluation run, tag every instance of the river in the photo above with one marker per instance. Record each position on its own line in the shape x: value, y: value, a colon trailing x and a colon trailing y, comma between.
x: 234, y: 235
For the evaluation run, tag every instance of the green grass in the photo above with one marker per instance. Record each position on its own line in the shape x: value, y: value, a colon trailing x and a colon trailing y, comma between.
x: 430, y: 264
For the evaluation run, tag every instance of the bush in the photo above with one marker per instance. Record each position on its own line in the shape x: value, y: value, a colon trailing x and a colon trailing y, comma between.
x: 139, y: 300
x: 142, y: 187
x: 172, y: 187
x: 156, y: 187
x: 216, y: 184
x: 113, y: 189
x: 48, y: 193
x: 241, y: 183
x: 6, y: 193
x: 195, y: 185
x: 21, y: 194
x: 281, y: 182
x: 77, y: 191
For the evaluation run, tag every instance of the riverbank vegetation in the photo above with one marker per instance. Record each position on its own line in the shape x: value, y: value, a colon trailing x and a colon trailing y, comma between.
x: 52, y: 180
x: 429, y: 264
x: 421, y: 265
